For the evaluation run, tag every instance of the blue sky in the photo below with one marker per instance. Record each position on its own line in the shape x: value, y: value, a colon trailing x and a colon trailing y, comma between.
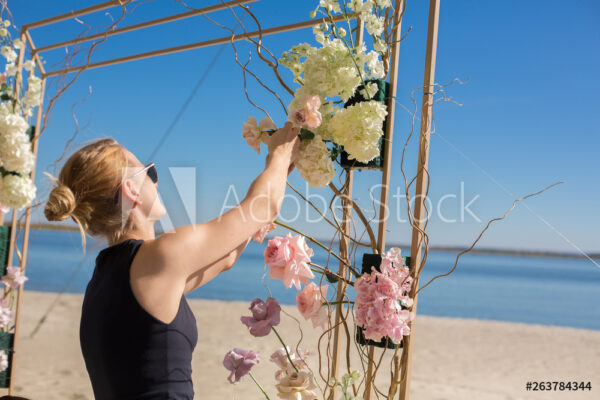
x: 528, y: 117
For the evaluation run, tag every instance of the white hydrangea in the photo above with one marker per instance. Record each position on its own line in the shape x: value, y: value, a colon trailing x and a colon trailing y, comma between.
x: 10, y: 69
x: 327, y: 111
x: 15, y: 153
x: 370, y: 90
x: 379, y: 45
x: 374, y: 24
x: 330, y: 5
x: 358, y: 128
x: 16, y: 191
x: 313, y: 162
x: 383, y: 3
x: 8, y: 53
x: 331, y: 72
x: 33, y: 96
x: 10, y: 123
x: 29, y: 65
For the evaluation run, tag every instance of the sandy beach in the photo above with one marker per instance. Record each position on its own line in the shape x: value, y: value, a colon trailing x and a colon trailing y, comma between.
x: 453, y: 358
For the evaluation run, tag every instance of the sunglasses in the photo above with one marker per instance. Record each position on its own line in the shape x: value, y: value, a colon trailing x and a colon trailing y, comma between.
x: 150, y: 171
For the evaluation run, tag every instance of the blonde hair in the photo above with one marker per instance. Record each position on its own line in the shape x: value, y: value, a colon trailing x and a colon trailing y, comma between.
x: 85, y: 190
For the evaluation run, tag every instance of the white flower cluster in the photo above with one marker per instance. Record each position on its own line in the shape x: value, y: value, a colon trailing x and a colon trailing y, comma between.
x: 16, y: 157
x: 16, y: 191
x: 332, y: 70
x: 358, y: 129
x: 313, y: 162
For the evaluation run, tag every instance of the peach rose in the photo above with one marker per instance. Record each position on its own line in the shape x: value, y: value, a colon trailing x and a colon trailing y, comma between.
x: 309, y: 304
x: 297, y: 386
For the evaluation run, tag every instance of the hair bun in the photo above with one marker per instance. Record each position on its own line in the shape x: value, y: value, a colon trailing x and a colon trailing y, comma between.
x: 61, y: 203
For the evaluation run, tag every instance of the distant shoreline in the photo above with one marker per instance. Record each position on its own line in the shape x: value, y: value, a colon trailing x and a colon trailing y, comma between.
x: 522, y: 253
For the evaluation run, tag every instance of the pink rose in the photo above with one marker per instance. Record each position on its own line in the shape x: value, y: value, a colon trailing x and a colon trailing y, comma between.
x: 264, y: 316
x: 239, y: 362
x: 288, y: 258
x: 307, y: 114
x: 259, y: 236
x: 309, y: 304
x: 313, y: 117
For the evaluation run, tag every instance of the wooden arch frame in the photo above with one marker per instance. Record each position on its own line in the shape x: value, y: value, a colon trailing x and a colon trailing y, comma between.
x: 425, y: 130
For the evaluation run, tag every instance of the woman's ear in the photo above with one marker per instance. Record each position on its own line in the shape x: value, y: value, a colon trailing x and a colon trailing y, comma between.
x: 130, y: 193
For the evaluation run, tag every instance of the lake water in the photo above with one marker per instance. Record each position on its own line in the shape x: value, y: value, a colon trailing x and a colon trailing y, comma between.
x: 552, y: 291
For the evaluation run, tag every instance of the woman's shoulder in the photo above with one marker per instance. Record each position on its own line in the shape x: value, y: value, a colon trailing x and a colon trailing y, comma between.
x: 158, y: 292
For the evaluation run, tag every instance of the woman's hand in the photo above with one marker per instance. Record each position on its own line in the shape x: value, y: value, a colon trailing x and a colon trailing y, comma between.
x: 284, y: 143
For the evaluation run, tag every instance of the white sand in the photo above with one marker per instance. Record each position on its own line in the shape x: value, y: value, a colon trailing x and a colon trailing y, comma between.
x: 453, y: 358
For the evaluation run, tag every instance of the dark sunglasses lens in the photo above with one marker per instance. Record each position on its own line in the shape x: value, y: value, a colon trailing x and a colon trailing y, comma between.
x: 153, y: 174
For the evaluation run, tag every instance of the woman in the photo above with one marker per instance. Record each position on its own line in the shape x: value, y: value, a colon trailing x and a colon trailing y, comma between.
x: 137, y: 331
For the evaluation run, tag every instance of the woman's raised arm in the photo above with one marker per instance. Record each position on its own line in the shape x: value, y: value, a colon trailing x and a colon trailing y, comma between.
x: 185, y: 250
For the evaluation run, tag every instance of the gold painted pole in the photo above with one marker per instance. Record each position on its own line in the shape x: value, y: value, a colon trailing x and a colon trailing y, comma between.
x: 421, y: 187
x: 198, y: 45
x: 344, y: 253
x: 147, y: 24
x: 73, y: 14
x: 38, y: 61
x: 385, y: 177
x: 23, y: 265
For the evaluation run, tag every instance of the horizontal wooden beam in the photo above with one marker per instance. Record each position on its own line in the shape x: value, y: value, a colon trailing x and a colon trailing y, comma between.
x: 75, y: 13
x: 147, y: 24
x: 198, y: 45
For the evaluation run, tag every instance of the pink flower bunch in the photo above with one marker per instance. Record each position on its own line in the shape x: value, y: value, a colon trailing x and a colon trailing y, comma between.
x: 253, y: 133
x: 309, y: 302
x: 308, y: 114
x: 239, y: 362
x: 259, y: 236
x: 379, y: 297
x: 265, y: 315
x: 288, y: 258
x: 13, y: 277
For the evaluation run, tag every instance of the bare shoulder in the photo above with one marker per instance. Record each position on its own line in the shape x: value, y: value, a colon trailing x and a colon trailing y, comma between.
x: 156, y: 289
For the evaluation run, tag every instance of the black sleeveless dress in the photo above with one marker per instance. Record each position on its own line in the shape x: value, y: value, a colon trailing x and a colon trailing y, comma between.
x: 129, y: 354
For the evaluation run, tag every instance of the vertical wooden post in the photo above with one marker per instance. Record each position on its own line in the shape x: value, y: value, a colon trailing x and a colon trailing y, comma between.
x: 385, y: 177
x: 422, y: 180
x: 343, y: 252
x: 23, y: 265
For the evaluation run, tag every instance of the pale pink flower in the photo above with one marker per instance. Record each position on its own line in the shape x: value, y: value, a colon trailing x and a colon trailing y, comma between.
x: 13, y: 277
x: 6, y: 315
x: 288, y: 258
x: 3, y: 360
x: 298, y: 117
x: 264, y: 316
x: 313, y: 117
x: 307, y: 115
x: 279, y: 357
x: 4, y: 209
x: 266, y: 124
x: 259, y: 236
x: 251, y: 133
x: 309, y: 302
x: 239, y: 362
